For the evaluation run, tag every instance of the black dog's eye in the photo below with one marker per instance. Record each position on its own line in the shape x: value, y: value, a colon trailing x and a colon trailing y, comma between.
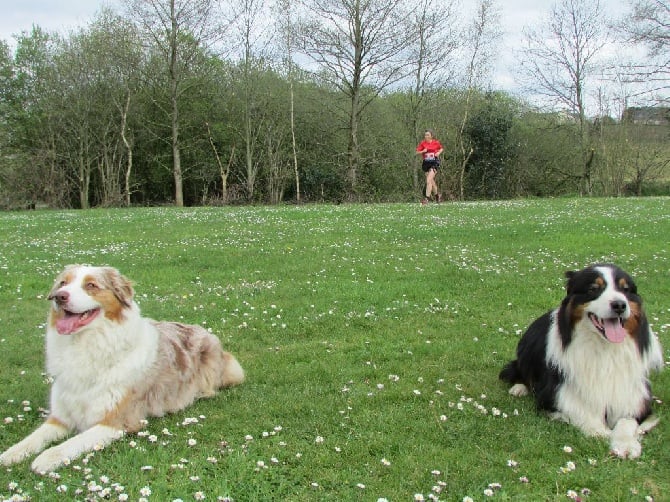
x: 595, y: 288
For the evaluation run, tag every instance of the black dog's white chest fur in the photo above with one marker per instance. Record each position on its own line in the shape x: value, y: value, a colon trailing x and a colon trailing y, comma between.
x: 587, y: 362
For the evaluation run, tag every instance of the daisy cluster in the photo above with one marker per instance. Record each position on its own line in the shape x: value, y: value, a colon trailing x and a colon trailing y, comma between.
x: 455, y: 407
x: 24, y: 410
x: 80, y: 480
x: 85, y: 484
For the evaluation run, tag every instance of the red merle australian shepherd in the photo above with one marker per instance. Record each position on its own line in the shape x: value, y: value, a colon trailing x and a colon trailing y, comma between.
x: 587, y: 362
x: 112, y: 368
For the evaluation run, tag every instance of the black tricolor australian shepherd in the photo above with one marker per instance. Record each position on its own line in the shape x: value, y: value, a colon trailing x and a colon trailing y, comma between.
x: 588, y: 361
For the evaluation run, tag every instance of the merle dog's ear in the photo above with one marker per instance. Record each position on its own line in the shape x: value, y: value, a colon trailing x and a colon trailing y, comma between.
x: 120, y: 285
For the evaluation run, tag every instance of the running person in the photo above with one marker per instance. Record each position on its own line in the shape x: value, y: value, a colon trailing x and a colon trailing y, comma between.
x: 430, y: 149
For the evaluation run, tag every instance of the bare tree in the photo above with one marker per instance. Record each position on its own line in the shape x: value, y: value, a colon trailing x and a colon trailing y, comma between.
x: 224, y: 171
x: 287, y: 29
x: 78, y: 113
x: 437, y: 38
x: 178, y: 29
x: 560, y: 57
x: 480, y: 38
x: 649, y: 25
x: 278, y: 166
x: 248, y: 23
x: 118, y: 43
x: 360, y: 49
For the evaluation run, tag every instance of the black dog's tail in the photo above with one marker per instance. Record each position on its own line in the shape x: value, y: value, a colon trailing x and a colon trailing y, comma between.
x: 511, y: 373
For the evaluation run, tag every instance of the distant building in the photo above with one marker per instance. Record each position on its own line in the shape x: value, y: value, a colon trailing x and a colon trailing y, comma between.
x: 647, y: 115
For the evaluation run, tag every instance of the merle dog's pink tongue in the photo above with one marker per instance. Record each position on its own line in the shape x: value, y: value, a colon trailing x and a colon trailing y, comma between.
x: 68, y: 324
x: 614, y: 330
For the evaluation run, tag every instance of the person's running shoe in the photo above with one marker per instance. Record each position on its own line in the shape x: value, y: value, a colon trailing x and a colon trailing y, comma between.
x: 424, y: 202
x: 438, y: 198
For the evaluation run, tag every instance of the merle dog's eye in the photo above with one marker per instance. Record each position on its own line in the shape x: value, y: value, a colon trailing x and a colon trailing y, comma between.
x: 91, y: 285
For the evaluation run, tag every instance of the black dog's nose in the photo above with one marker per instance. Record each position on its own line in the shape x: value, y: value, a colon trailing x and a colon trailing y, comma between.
x: 618, y: 306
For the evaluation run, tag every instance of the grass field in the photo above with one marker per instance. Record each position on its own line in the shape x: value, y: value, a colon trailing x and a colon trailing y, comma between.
x: 372, y: 337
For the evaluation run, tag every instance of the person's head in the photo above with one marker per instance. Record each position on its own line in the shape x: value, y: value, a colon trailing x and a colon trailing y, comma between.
x: 428, y: 135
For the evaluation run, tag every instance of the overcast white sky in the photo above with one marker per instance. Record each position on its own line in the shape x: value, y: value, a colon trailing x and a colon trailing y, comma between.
x: 63, y: 15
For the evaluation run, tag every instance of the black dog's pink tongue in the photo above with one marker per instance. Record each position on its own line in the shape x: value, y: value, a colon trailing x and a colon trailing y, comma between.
x: 614, y: 330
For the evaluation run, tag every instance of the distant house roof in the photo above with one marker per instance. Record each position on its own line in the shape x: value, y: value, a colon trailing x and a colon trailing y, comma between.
x: 647, y: 115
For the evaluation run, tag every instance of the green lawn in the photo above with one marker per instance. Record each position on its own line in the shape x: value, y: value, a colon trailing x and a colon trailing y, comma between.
x: 371, y: 335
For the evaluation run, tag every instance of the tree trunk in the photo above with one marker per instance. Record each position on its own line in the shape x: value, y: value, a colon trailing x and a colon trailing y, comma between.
x: 356, y: 82
x: 352, y: 148
x: 222, y: 170
x: 225, y: 173
x: 84, y: 174
x: 295, y: 150
x: 249, y: 150
x: 176, y: 158
x: 129, y: 150
x: 84, y: 182
x: 174, y: 95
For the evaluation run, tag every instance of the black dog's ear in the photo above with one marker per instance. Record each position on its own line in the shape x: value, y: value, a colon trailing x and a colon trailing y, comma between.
x: 569, y: 275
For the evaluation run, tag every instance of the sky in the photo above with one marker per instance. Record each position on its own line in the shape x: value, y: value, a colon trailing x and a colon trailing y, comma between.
x: 65, y: 15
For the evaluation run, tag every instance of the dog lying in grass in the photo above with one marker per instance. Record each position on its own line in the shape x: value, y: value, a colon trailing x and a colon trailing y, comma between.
x: 113, y: 368
x: 587, y: 362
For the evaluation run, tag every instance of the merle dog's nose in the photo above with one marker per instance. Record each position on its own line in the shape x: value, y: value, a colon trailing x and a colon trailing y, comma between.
x: 60, y: 296
x: 618, y: 306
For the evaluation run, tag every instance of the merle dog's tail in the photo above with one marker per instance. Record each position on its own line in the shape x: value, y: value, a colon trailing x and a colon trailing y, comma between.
x: 511, y: 373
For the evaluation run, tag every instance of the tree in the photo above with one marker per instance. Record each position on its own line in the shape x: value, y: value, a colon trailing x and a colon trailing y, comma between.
x: 489, y: 132
x: 179, y: 30
x: 121, y: 45
x: 110, y: 53
x: 6, y: 77
x: 434, y: 22
x: 76, y: 110
x: 560, y: 57
x: 248, y: 16
x: 8, y: 169
x: 81, y: 100
x: 287, y: 29
x: 649, y: 25
x: 637, y: 154
x: 34, y: 123
x: 360, y: 49
x: 480, y: 38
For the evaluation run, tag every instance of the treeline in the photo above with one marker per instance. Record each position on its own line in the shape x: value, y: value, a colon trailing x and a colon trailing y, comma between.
x: 121, y: 113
